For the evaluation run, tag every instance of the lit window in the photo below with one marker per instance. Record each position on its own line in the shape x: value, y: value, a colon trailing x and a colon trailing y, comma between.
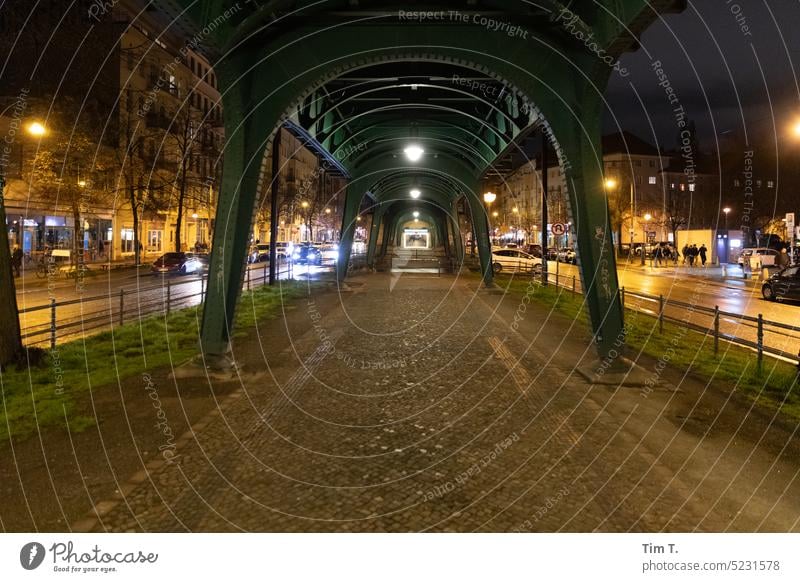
x: 683, y: 187
x: 127, y: 240
x: 691, y: 187
x: 652, y: 179
x: 770, y: 184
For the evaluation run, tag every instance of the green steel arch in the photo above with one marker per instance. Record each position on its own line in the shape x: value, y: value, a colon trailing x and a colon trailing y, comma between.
x: 271, y: 55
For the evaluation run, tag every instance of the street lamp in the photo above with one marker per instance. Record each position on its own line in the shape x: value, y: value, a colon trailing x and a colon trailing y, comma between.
x: 415, y: 193
x: 36, y: 129
x: 647, y: 218
x: 726, y: 210
x: 488, y: 198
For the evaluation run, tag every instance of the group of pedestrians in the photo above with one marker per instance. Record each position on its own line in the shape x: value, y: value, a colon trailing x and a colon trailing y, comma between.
x: 691, y: 254
x: 663, y: 253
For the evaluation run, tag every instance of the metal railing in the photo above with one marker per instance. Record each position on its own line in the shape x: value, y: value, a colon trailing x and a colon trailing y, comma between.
x: 55, y: 321
x: 763, y: 336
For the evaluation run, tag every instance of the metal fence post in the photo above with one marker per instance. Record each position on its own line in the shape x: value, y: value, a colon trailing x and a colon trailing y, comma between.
x: 622, y: 297
x: 121, y: 306
x: 169, y: 295
x: 202, y: 287
x: 264, y: 282
x: 52, y: 324
x: 760, y: 340
x: 716, y: 329
x: 248, y: 278
x: 573, y: 284
x: 661, y: 313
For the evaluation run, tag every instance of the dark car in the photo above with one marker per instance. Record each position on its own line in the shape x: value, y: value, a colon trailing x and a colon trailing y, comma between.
x: 783, y: 285
x: 534, y: 250
x: 307, y: 255
x: 177, y: 263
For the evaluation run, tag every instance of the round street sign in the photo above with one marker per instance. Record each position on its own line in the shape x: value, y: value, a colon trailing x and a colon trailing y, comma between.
x: 558, y: 229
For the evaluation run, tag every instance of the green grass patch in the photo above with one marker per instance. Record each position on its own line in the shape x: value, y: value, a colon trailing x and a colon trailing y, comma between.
x: 46, y: 396
x: 773, y: 386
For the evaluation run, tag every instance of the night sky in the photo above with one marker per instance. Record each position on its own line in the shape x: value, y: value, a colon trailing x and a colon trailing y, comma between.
x: 726, y: 79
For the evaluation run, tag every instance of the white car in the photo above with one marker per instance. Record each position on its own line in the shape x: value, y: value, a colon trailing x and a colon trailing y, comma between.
x: 329, y: 252
x: 768, y: 256
x: 515, y: 261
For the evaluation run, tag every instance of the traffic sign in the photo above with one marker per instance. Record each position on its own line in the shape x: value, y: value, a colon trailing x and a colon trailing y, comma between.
x: 790, y: 221
x: 558, y: 229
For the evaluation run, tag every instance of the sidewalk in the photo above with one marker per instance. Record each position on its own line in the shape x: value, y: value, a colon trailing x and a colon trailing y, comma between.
x: 28, y: 274
x: 422, y: 403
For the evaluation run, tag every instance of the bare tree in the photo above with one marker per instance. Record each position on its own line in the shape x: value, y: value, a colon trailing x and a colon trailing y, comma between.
x: 190, y: 138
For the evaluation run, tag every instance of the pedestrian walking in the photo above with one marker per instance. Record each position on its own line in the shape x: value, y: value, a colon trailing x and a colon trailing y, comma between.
x: 16, y: 260
x: 685, y: 253
x: 691, y: 254
x: 703, y: 254
x: 783, y: 258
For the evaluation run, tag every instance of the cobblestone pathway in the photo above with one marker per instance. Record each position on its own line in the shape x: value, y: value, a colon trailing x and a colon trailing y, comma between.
x: 412, y: 405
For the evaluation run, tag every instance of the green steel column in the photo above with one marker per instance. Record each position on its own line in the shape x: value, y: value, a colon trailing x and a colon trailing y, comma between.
x: 458, y: 242
x: 387, y: 233
x: 440, y: 220
x: 480, y: 229
x: 352, y: 203
x: 583, y: 165
x: 243, y: 156
x: 377, y: 219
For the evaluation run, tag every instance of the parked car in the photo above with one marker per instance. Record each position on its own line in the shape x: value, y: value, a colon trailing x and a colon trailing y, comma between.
x: 307, y: 254
x: 552, y: 253
x: 203, y: 258
x: 329, y: 252
x: 784, y: 284
x: 566, y: 255
x: 535, y: 250
x: 258, y: 254
x: 768, y: 256
x: 515, y: 261
x: 176, y: 263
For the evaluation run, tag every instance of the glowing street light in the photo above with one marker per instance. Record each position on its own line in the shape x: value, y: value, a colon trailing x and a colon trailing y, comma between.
x: 82, y: 183
x: 610, y: 184
x: 495, y: 214
x: 796, y: 129
x: 327, y: 211
x: 36, y: 129
x: 304, y: 204
x: 415, y: 193
x: 416, y: 214
x: 647, y: 218
x: 489, y: 197
x: 414, y: 152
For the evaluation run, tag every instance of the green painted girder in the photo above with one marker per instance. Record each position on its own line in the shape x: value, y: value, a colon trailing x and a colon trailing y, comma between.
x: 391, y: 141
x: 313, y: 114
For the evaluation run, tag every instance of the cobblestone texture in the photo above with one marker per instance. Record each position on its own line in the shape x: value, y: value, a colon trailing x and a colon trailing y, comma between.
x: 417, y: 408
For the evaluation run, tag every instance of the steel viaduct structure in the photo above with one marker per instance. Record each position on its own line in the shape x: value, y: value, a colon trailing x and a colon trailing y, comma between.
x: 466, y: 81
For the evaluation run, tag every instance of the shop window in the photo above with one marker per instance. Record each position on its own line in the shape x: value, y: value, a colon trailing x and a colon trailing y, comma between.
x: 652, y: 179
